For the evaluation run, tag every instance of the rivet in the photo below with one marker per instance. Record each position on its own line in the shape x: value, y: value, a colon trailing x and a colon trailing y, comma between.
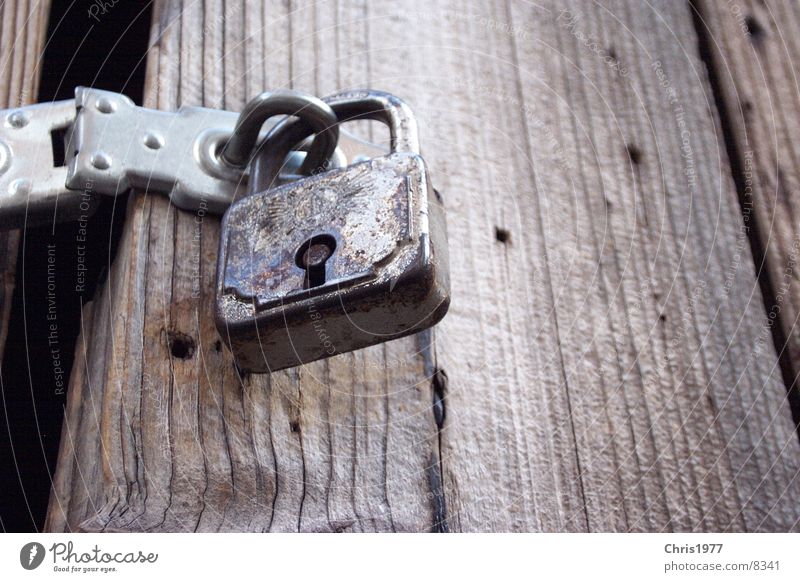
x: 153, y: 141
x: 106, y: 105
x: 101, y: 161
x: 20, y: 187
x: 18, y: 119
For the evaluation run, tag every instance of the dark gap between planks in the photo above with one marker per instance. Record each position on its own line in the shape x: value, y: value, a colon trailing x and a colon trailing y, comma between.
x: 107, y: 51
x: 736, y: 158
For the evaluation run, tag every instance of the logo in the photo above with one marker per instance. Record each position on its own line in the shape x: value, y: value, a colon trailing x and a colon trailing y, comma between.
x: 31, y: 555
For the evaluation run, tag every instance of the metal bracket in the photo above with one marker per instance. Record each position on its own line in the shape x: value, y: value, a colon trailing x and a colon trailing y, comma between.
x: 31, y: 185
x: 111, y: 145
x: 116, y: 145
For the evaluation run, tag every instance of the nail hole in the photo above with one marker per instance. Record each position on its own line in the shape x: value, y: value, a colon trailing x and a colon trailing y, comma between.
x: 153, y: 141
x: 502, y: 235
x: 634, y: 153
x: 101, y: 161
x: 294, y: 426
x: 217, y: 346
x: 754, y: 27
x: 242, y: 373
x: 105, y: 105
x: 181, y: 346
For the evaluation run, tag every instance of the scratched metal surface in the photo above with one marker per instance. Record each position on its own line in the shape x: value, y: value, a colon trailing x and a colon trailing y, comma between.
x: 366, y: 208
x: 386, y: 278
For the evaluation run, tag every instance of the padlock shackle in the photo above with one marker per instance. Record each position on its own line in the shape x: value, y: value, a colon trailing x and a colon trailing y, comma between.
x: 348, y: 106
x: 316, y: 114
x: 383, y: 107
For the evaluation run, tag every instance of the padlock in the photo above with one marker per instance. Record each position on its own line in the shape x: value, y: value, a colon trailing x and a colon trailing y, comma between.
x: 336, y: 261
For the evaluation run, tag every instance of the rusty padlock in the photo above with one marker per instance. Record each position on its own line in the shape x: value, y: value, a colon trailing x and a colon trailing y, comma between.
x: 338, y: 260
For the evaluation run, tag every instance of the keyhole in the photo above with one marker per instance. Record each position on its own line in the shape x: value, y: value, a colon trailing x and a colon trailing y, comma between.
x: 312, y: 256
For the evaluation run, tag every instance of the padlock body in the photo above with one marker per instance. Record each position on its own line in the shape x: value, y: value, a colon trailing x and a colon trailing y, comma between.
x: 382, y: 228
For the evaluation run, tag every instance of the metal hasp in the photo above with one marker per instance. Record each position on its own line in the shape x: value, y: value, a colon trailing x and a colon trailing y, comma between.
x: 32, y: 188
x: 111, y: 145
x: 336, y: 261
x: 117, y: 145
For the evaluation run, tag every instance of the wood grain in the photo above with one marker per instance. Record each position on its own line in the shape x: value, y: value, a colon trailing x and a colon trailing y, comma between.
x: 23, y: 26
x: 605, y: 365
x: 756, y: 56
x: 186, y: 444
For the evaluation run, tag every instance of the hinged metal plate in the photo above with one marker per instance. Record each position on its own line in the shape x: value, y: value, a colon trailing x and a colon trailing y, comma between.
x: 113, y: 145
x: 32, y: 188
x: 118, y: 146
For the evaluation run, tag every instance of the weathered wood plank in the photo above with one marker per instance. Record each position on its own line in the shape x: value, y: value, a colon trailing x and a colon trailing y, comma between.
x: 23, y: 26
x: 328, y: 447
x: 755, y: 55
x: 618, y: 333
x: 605, y: 354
